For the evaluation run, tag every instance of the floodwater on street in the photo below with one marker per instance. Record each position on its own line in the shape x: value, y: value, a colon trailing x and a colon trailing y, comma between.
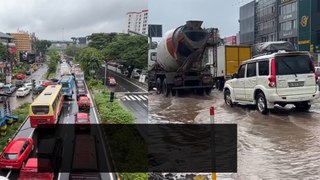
x: 282, y: 145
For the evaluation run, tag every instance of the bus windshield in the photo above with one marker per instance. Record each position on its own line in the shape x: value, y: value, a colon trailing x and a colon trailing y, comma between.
x: 40, y: 110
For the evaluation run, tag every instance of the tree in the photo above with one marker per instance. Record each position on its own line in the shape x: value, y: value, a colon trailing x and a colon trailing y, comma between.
x: 41, y: 46
x: 101, y: 40
x: 3, y: 52
x: 90, y: 59
x: 132, y: 49
x: 54, y: 59
x: 73, y: 51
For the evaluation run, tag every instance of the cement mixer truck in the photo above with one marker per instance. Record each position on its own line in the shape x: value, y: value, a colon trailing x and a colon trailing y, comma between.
x: 177, y: 62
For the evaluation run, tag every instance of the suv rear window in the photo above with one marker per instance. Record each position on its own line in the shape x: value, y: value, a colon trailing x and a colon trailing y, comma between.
x: 297, y: 64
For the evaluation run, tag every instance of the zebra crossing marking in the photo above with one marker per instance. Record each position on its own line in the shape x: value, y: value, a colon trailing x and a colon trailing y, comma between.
x: 131, y: 97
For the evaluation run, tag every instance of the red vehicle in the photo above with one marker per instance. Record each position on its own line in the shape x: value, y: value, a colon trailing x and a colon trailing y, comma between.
x: 82, y: 121
x: 47, y: 83
x: 84, y: 103
x: 20, y: 76
x: 30, y: 170
x: 111, y: 81
x: 16, y: 153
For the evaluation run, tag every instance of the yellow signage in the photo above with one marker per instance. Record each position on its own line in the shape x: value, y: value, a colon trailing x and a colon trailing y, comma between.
x: 311, y: 48
x: 304, y: 42
x: 304, y: 21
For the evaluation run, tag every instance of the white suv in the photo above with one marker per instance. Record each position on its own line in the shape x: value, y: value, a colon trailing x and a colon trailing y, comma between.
x: 279, y: 78
x: 23, y: 91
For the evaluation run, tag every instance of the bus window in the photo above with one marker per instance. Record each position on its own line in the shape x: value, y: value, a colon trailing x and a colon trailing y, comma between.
x: 39, y: 110
x: 65, y: 84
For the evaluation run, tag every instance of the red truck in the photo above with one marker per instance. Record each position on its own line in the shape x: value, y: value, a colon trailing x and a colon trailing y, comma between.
x: 84, y: 104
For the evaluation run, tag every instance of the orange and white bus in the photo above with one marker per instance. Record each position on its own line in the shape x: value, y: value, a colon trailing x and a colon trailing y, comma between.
x: 46, y: 108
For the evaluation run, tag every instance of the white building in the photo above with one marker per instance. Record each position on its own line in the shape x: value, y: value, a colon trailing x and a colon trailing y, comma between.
x: 137, y: 22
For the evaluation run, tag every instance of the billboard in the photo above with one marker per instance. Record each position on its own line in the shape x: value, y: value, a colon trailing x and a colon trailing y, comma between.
x: 27, y: 57
x: 155, y: 30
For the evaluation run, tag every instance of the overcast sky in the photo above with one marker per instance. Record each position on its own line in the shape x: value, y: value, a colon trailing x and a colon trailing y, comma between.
x: 63, y: 19
x: 221, y: 14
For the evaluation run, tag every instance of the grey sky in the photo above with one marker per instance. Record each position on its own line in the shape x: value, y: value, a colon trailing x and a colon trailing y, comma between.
x: 221, y: 14
x: 63, y: 19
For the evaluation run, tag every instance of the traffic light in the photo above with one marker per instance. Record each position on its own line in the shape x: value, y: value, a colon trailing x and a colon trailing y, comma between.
x: 33, y: 83
x: 111, y: 96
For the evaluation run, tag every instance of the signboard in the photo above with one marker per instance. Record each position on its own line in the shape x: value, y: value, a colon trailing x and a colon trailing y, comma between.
x: 142, y: 78
x: 304, y: 25
x: 154, y: 30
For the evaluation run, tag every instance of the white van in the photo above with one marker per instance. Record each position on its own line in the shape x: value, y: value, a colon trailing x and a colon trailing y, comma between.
x: 280, y: 78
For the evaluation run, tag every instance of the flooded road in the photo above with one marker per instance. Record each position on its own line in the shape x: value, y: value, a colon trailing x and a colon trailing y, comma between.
x: 282, y: 145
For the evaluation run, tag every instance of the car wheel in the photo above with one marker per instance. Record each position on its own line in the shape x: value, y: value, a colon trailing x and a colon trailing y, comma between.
x: 227, y: 98
x: 261, y: 104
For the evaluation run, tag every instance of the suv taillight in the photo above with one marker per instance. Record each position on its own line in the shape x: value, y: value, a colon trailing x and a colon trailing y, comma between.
x: 272, y: 78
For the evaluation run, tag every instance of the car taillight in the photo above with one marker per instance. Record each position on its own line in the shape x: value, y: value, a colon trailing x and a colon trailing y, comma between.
x: 272, y: 78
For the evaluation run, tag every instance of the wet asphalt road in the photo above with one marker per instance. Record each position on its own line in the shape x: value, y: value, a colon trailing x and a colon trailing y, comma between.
x: 282, y: 145
x: 132, y: 96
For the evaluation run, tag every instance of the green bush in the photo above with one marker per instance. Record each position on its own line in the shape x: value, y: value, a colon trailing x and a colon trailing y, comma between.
x: 22, y: 112
x: 134, y: 176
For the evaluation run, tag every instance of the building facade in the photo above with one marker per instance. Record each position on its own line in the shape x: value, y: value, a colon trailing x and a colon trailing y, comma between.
x: 247, y: 23
x: 137, y: 22
x: 22, y: 41
x: 288, y: 21
x: 231, y: 40
x: 266, y: 21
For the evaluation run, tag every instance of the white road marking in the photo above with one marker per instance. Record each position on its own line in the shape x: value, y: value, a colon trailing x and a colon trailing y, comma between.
x: 127, y: 98
x: 145, y: 105
x: 132, y: 98
x: 31, y: 134
x: 143, y: 98
x: 146, y: 96
x: 136, y: 97
x: 8, y: 174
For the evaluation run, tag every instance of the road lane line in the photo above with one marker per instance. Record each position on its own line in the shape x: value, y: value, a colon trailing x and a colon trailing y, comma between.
x: 136, y: 97
x: 31, y: 134
x: 9, y: 173
x: 145, y: 105
x: 143, y: 98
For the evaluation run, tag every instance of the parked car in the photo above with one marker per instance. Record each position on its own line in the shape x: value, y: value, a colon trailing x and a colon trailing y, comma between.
x: 80, y: 84
x: 38, y: 89
x: 82, y: 121
x: 16, y: 153
x: 23, y: 91
x: 28, y: 72
x: 3, y: 98
x: 19, y: 83
x: 20, y: 76
x: 1, y: 85
x: 136, y: 73
x: 280, y: 78
x: 28, y: 85
x: 9, y: 88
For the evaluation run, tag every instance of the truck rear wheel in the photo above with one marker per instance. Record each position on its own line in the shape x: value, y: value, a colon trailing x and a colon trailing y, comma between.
x: 166, y: 88
x: 159, y: 86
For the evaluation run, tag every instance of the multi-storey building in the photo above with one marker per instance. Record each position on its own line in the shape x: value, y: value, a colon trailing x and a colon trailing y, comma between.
x: 22, y: 41
x: 266, y: 20
x: 247, y: 23
x: 137, y: 22
x: 288, y: 21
